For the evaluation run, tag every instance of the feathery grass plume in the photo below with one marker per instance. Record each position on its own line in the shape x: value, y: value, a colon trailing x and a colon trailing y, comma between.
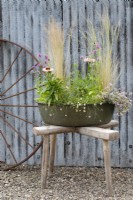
x: 105, y: 36
x: 109, y: 64
x: 56, y: 48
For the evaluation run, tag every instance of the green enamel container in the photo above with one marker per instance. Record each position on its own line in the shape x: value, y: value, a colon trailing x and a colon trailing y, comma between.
x: 84, y: 115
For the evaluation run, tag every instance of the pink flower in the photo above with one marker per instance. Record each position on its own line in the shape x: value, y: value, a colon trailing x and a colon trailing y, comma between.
x: 36, y: 65
x: 39, y: 55
x: 89, y: 60
x: 94, y: 51
x: 81, y: 57
x: 47, y: 69
x: 46, y: 57
x: 98, y: 46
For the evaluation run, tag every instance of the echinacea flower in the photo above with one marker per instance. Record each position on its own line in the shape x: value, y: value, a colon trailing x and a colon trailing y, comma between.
x: 47, y: 69
x: 89, y: 60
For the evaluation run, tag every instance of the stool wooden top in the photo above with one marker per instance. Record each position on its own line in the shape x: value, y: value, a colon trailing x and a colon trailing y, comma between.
x: 101, y: 132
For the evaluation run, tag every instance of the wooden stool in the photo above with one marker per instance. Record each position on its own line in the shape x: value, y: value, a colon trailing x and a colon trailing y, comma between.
x: 49, y: 138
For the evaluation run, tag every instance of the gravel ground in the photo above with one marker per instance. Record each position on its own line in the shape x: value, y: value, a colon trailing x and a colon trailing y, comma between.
x: 75, y: 183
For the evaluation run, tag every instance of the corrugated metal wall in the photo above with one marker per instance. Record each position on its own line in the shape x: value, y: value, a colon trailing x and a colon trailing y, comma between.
x: 23, y: 22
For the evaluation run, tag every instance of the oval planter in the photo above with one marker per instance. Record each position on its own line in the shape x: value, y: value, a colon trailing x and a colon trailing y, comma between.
x: 67, y: 115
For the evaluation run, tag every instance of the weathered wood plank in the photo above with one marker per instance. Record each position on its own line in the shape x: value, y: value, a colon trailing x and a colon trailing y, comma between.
x: 6, y: 31
x: 29, y: 40
x: 13, y: 77
x: 82, y: 52
x: 2, y: 143
x: 66, y: 16
x: 97, y: 132
x: 45, y: 158
x: 119, y: 147
x: 100, y: 133
x: 97, y: 10
x: 129, y: 76
x: 52, y: 153
x: 111, y: 124
x: 37, y: 45
x: 55, y: 12
x: 107, y: 164
x: 2, y: 125
x: 71, y: 35
x: 90, y: 150
x: 51, y: 129
x: 46, y: 130
x: 21, y: 84
x: 6, y: 63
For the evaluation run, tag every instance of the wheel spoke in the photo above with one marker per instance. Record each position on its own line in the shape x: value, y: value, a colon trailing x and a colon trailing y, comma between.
x: 11, y: 65
x: 11, y: 105
x: 17, y: 94
x: 18, y: 133
x: 17, y: 117
x: 16, y: 82
x: 8, y: 146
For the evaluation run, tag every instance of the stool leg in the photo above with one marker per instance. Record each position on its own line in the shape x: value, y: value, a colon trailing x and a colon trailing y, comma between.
x: 107, y: 163
x: 45, y: 157
x: 52, y: 153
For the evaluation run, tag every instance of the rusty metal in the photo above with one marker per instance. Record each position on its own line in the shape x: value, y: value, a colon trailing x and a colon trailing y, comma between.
x: 8, y: 146
x: 17, y: 94
x: 4, y: 104
x: 18, y: 45
x: 11, y: 105
x: 18, y: 133
x: 17, y: 117
x: 10, y: 66
x: 15, y: 83
x: 35, y: 150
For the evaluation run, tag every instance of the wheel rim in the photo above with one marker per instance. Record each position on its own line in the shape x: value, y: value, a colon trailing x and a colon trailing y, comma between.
x: 16, y: 100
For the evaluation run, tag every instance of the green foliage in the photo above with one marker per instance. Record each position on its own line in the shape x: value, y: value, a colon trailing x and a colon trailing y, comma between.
x: 51, y: 90
x: 78, y: 90
x: 85, y: 90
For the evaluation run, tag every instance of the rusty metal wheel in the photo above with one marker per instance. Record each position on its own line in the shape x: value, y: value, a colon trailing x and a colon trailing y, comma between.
x: 17, y: 105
